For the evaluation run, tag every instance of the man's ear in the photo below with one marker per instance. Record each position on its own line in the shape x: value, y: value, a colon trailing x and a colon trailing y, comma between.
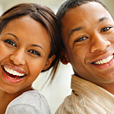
x: 64, y: 58
x: 49, y: 61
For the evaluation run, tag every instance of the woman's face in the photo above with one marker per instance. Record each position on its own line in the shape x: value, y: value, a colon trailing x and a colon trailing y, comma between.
x: 24, y: 50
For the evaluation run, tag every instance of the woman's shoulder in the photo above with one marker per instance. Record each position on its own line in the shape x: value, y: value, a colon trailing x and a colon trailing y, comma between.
x: 30, y: 96
x: 30, y: 99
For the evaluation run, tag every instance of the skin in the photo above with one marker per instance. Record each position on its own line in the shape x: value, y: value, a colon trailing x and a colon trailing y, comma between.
x: 24, y: 47
x: 88, y: 36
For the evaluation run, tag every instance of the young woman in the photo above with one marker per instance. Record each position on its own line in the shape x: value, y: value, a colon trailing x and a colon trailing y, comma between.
x: 29, y: 44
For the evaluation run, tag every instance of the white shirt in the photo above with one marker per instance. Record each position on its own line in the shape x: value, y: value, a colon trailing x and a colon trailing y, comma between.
x: 87, y: 98
x: 30, y: 102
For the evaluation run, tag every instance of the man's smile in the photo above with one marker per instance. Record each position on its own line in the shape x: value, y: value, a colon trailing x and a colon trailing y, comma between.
x: 104, y: 61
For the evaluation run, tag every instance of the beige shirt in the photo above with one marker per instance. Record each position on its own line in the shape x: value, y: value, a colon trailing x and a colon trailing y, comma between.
x: 87, y: 98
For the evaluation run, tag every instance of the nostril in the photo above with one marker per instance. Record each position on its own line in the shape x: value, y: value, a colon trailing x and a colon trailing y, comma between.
x: 17, y: 60
x: 100, y: 46
x: 108, y: 43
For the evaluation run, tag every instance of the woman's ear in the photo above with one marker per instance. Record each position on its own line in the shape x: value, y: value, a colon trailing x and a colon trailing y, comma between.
x: 49, y: 61
x: 64, y: 58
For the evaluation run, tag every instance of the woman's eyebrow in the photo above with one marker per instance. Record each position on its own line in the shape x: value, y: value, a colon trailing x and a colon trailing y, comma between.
x: 12, y: 35
x: 35, y: 45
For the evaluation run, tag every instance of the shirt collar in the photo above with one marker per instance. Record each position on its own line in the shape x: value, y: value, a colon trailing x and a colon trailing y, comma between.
x: 93, y: 91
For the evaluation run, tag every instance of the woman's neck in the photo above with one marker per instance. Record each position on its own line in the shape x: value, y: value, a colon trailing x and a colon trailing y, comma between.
x: 6, y: 98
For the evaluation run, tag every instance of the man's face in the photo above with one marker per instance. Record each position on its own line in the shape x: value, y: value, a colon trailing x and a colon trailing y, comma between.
x: 88, y: 36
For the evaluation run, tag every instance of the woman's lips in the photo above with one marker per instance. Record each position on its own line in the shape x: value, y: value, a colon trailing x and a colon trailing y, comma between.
x: 11, y: 75
x: 13, y: 72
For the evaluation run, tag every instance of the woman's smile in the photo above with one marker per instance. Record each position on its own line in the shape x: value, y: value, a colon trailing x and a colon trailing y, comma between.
x: 11, y: 75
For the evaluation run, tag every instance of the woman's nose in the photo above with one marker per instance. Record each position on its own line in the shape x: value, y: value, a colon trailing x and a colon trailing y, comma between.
x: 99, y: 43
x: 18, y: 57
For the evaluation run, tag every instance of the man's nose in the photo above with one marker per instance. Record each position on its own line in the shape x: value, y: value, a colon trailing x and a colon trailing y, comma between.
x: 99, y: 43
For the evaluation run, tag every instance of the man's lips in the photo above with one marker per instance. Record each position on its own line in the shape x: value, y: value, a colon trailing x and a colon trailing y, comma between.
x: 103, y: 61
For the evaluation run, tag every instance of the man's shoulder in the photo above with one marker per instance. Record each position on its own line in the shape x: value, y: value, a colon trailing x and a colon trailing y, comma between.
x: 72, y: 104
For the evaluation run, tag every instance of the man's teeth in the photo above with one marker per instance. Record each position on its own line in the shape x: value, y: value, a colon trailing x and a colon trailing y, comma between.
x: 104, y: 60
x: 10, y: 71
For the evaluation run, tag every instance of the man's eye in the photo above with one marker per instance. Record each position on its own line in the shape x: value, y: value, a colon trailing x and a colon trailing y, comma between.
x: 106, y: 29
x: 81, y: 39
x: 34, y: 52
x: 10, y: 42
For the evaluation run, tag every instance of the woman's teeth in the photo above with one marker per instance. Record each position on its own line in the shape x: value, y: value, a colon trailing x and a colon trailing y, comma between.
x: 104, y: 60
x: 10, y: 71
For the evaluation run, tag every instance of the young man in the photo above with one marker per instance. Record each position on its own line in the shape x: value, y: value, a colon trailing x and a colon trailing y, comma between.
x: 87, y: 31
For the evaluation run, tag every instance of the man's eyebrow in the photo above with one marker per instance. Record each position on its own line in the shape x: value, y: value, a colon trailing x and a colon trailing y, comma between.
x: 35, y: 45
x: 74, y: 30
x: 81, y: 28
x: 102, y: 19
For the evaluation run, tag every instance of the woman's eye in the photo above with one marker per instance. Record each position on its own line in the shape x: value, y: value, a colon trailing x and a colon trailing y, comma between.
x: 10, y: 42
x: 35, y: 52
x: 106, y: 29
x: 81, y: 39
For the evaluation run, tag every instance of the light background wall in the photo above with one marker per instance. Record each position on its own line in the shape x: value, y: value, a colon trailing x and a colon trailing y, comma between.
x: 60, y: 87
